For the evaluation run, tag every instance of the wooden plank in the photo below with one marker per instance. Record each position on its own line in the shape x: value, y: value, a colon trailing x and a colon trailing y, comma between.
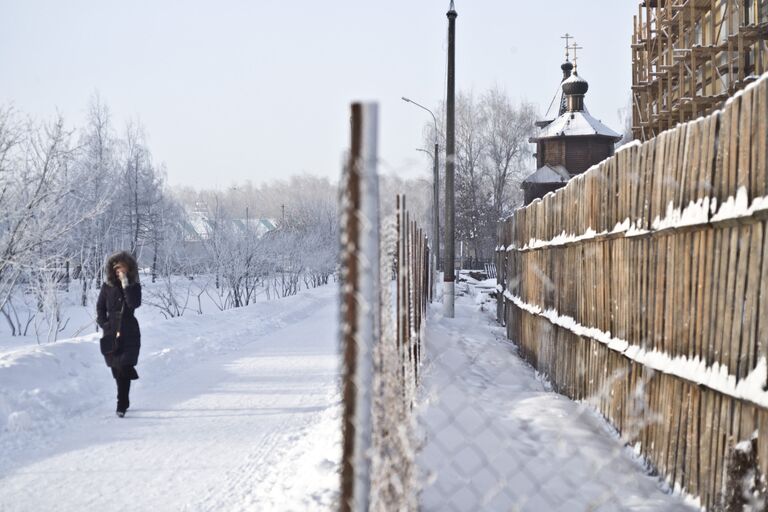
x: 760, y: 144
x: 668, y: 291
x: 709, y: 166
x: 690, y: 150
x: 693, y: 441
x: 682, y: 333
x: 661, y: 176
x: 742, y: 242
x: 668, y: 425
x: 716, y: 448
x: 676, y: 180
x: 683, y: 407
x: 674, y: 412
x: 747, y: 358
x: 744, y: 166
x: 658, y: 292
x: 722, y: 158
x: 731, y: 249
x: 718, y: 289
x: 706, y: 475
x: 702, y: 297
x: 654, y: 433
x: 761, y: 305
x: 733, y: 147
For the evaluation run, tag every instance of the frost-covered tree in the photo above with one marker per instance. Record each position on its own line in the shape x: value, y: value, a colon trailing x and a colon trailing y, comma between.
x: 506, y: 129
x: 140, y: 189
x: 41, y: 208
x: 69, y: 198
x: 97, y: 178
x: 492, y: 159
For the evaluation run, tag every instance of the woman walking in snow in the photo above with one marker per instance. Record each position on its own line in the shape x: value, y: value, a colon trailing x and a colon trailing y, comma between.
x: 119, y: 297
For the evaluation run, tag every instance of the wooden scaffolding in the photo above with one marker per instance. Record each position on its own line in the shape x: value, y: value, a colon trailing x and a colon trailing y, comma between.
x: 689, y: 56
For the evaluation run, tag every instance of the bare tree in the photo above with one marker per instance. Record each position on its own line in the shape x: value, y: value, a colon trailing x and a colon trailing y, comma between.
x: 506, y: 131
x: 491, y: 161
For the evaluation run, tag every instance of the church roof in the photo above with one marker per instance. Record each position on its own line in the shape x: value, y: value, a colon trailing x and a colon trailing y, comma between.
x: 574, y: 84
x: 576, y: 123
x: 548, y: 174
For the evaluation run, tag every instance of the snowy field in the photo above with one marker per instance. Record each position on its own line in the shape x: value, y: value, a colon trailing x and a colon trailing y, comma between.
x: 234, y: 410
x: 496, y: 438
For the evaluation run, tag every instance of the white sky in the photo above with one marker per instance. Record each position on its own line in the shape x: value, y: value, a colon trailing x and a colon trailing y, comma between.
x: 230, y: 90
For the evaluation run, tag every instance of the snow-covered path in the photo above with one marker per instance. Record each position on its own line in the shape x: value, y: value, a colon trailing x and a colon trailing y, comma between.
x: 252, y: 428
x: 497, y: 439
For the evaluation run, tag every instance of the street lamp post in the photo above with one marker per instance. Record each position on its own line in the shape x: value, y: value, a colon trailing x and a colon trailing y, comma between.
x: 435, y: 185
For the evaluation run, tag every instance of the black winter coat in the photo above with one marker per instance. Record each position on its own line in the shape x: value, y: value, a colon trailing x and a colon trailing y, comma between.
x: 108, y: 306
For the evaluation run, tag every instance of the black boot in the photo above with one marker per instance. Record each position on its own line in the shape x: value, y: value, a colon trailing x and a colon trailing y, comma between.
x: 123, y: 388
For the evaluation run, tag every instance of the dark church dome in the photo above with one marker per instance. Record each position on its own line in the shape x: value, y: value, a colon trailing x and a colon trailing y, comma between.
x: 567, y: 67
x: 575, y: 85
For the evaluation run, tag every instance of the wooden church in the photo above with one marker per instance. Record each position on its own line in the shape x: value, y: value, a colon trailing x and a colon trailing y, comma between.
x: 571, y: 143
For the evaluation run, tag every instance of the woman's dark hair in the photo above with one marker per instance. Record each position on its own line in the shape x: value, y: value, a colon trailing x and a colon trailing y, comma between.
x: 128, y: 260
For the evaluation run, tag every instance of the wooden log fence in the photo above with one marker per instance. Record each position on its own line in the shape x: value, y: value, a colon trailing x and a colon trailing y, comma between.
x: 643, y: 285
x: 380, y: 335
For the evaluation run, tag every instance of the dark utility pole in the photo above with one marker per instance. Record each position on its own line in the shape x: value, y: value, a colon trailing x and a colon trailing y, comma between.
x: 436, y: 201
x: 450, y: 155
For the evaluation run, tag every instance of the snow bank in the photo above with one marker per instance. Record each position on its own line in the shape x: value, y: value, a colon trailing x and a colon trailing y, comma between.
x: 42, y: 387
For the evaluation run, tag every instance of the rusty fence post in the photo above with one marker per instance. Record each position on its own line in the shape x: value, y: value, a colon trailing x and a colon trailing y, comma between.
x: 360, y: 304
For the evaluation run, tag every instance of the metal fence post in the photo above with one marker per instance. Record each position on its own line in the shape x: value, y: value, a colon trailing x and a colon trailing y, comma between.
x: 360, y: 305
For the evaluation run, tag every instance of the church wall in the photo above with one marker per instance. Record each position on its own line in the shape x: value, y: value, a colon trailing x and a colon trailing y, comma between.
x: 583, y: 153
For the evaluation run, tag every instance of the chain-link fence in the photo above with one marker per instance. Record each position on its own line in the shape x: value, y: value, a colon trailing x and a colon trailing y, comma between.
x: 386, y: 282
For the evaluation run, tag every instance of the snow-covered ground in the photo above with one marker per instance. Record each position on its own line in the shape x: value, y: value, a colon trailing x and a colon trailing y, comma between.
x: 239, y: 410
x: 496, y: 438
x: 234, y: 410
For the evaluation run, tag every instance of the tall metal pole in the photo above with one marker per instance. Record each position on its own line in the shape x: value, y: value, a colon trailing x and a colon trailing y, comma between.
x: 450, y: 154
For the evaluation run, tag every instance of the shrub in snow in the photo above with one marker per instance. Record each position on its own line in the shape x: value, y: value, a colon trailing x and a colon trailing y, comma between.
x: 19, y: 421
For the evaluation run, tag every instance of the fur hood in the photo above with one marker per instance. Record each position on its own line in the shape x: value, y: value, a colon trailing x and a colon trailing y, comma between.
x: 130, y: 262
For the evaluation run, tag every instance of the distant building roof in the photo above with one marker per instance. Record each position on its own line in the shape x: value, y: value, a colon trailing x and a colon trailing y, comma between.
x: 269, y: 224
x: 199, y: 225
x: 260, y: 226
x: 548, y: 174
